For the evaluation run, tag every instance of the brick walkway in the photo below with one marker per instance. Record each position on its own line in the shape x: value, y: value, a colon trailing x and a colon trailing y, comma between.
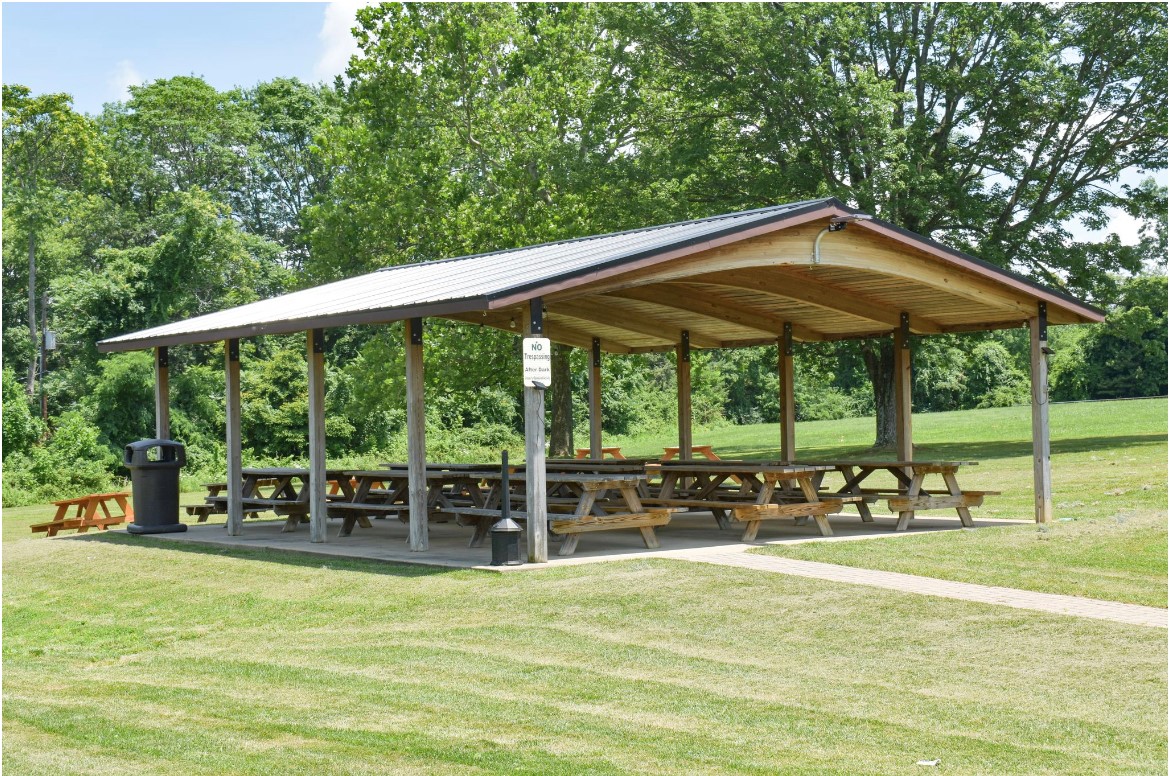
x: 1131, y: 614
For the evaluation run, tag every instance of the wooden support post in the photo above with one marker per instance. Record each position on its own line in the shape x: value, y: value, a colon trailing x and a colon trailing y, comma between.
x: 595, y: 400
x: 683, y: 353
x: 416, y: 437
x: 1041, y: 449
x: 537, y: 504
x: 787, y: 397
x: 162, y: 394
x: 235, y: 477
x: 902, y: 388
x: 318, y: 510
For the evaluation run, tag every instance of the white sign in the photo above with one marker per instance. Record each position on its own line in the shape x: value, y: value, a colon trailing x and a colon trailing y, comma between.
x: 537, y: 362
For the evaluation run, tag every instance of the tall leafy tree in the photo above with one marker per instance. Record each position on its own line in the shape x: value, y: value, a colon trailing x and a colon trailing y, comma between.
x: 991, y: 127
x: 177, y: 134
x: 49, y: 150
x: 477, y: 127
x: 284, y: 170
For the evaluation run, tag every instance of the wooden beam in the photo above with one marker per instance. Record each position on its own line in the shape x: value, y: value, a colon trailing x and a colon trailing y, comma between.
x: 701, y: 301
x: 595, y: 399
x: 235, y: 476
x: 1041, y: 446
x: 535, y: 486
x: 318, y: 511
x: 902, y: 391
x: 416, y: 437
x: 683, y: 371
x: 787, y: 397
x: 800, y: 288
x: 556, y: 330
x: 614, y: 315
x: 162, y: 394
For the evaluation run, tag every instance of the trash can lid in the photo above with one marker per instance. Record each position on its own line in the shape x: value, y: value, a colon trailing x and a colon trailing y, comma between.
x: 146, y: 444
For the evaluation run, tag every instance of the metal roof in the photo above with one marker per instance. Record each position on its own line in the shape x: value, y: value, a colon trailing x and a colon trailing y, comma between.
x: 448, y: 285
x: 471, y: 283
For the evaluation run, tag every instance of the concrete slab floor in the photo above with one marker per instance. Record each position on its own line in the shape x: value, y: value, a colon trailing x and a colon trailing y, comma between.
x: 688, y: 535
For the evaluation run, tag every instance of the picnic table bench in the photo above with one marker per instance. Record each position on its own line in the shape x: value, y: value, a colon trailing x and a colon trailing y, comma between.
x: 909, y: 496
x: 85, y: 515
x: 763, y: 491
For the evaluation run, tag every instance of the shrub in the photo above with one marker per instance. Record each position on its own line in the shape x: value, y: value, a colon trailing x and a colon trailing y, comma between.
x: 21, y: 428
x: 73, y: 462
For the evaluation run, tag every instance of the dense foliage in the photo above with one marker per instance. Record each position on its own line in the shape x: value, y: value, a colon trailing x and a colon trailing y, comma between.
x: 471, y: 127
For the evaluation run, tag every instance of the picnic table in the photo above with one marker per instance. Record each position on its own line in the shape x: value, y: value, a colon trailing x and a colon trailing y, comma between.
x: 707, y: 451
x: 381, y: 492
x: 615, y: 452
x: 577, y: 503
x: 908, y: 497
x: 282, y: 490
x: 215, y: 502
x: 85, y: 514
x: 749, y: 491
x: 600, y: 466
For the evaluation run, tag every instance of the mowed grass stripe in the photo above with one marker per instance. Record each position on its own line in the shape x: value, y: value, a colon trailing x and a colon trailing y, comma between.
x: 635, y: 666
x: 802, y: 725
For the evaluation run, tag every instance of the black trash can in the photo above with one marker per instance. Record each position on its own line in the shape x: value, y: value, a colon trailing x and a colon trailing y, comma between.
x: 154, y: 466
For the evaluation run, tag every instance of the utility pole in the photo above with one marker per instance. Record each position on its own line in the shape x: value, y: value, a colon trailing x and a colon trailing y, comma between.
x: 44, y: 326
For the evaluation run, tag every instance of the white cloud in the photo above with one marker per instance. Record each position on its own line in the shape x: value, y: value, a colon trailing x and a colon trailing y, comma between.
x: 336, y: 36
x: 121, y: 79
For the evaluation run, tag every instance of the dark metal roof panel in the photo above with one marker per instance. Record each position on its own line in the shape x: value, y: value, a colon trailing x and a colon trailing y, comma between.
x: 465, y: 282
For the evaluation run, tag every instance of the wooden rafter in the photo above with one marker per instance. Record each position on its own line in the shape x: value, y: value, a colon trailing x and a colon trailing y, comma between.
x: 803, y: 289
x: 718, y: 307
x: 614, y: 315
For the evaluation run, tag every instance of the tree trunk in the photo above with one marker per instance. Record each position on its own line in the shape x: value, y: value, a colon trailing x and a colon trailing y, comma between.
x: 561, y: 430
x: 30, y: 388
x: 879, y: 362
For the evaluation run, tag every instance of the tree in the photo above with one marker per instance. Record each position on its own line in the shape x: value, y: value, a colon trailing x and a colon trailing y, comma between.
x: 990, y: 127
x: 48, y: 151
x: 285, y: 170
x: 1126, y: 356
x: 477, y: 127
x: 188, y: 134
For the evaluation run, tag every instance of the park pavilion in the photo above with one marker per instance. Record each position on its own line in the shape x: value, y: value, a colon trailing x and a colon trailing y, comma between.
x: 807, y: 271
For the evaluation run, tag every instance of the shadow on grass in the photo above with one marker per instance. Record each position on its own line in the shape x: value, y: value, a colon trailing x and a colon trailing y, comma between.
x: 284, y: 557
x: 954, y: 451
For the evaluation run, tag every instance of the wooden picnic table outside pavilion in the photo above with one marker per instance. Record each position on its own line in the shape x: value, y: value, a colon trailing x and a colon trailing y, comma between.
x: 85, y: 514
x: 909, y: 496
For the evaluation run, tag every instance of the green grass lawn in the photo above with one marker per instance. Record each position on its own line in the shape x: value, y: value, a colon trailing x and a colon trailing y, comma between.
x: 127, y: 657
x: 1114, y: 559
x: 123, y: 657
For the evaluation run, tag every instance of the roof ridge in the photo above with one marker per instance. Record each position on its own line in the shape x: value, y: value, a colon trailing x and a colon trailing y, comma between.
x: 786, y: 205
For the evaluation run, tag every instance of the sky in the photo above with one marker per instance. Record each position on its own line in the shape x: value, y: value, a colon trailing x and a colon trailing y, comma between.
x: 94, y: 51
